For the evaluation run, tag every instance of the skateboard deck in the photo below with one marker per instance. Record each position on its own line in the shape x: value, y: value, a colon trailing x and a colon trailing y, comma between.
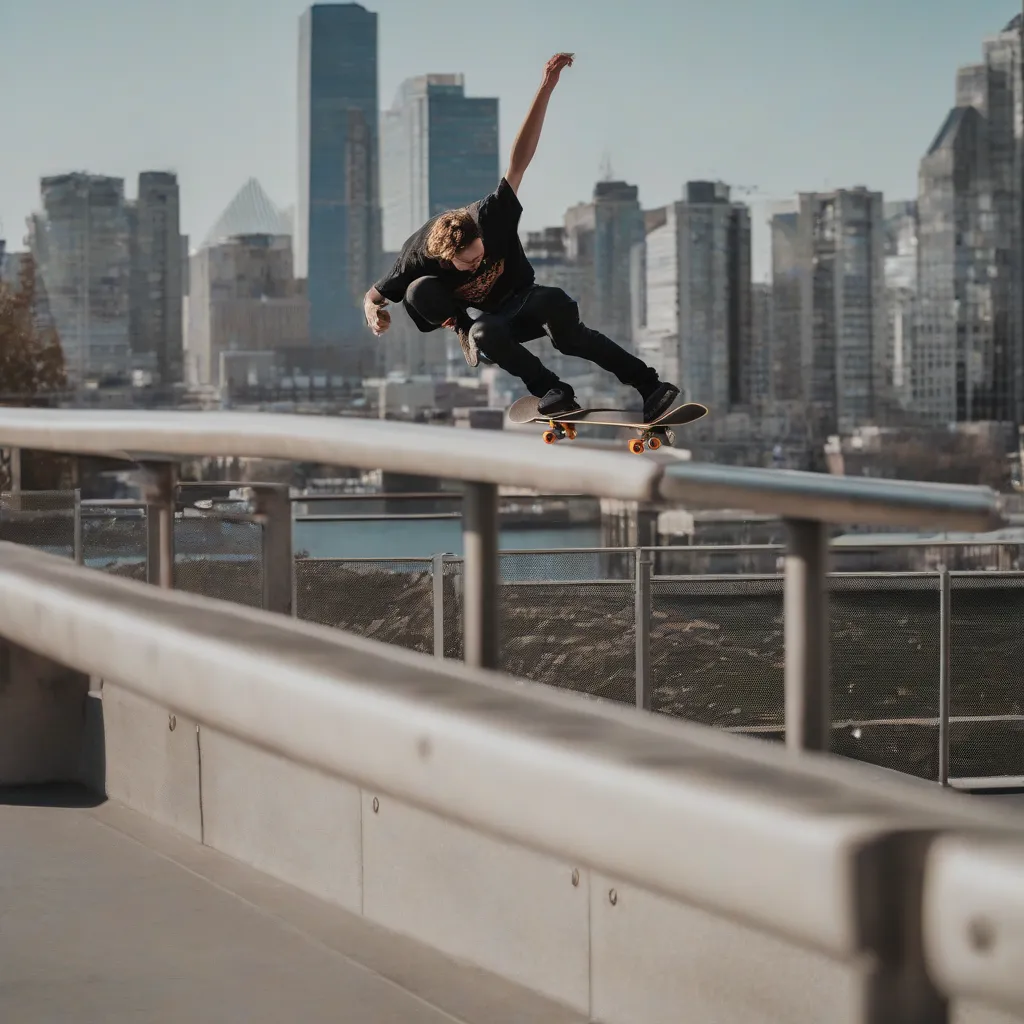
x: 652, y: 435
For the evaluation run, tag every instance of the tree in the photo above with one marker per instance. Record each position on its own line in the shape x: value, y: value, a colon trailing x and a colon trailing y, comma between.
x: 31, y: 358
x: 32, y: 370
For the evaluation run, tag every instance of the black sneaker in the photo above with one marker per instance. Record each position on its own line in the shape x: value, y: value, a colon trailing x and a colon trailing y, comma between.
x: 659, y: 401
x: 558, y: 401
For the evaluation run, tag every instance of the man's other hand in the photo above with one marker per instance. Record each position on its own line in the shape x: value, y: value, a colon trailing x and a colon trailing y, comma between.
x: 554, y: 67
x: 378, y: 318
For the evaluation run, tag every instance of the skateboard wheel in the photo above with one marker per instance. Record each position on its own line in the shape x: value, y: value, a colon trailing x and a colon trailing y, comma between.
x: 570, y: 432
x: 654, y: 444
x: 636, y: 447
x: 550, y: 437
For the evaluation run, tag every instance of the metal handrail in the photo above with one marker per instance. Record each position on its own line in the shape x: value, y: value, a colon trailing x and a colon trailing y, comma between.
x: 474, y: 456
x: 483, y: 460
x: 500, y: 458
x: 794, y: 494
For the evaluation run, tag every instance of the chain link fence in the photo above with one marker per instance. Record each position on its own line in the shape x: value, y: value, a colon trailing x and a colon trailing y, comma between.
x: 45, y: 520
x: 388, y: 599
x: 568, y: 617
x: 717, y: 645
x: 718, y: 659
x: 216, y: 557
x: 986, y: 675
x: 114, y: 539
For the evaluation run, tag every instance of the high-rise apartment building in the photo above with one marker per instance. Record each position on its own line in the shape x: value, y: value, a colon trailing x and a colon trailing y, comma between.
x: 968, y: 357
x: 697, y: 290
x: 787, y: 296
x: 901, y: 294
x: 843, y: 330
x: 439, y: 151
x: 600, y: 235
x: 762, y: 347
x: 81, y: 243
x: 155, y: 309
x: 337, y: 234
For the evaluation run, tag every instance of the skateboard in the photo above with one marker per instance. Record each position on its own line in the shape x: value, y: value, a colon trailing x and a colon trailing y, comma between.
x: 652, y: 435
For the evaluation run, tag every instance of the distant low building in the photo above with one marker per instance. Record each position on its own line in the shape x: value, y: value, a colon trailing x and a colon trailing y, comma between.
x: 246, y: 311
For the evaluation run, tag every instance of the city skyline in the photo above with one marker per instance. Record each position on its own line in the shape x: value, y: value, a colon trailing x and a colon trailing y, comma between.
x: 782, y: 136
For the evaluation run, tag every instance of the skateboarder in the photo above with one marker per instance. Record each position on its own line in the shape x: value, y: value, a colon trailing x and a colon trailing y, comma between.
x: 473, y: 258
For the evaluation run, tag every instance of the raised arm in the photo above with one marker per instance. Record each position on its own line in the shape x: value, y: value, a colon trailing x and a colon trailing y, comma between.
x: 525, y: 145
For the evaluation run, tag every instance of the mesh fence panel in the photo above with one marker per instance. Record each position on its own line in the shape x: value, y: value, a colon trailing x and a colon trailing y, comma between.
x: 387, y: 601
x: 40, y: 519
x: 885, y: 670
x: 717, y: 646
x: 114, y: 537
x: 213, y: 557
x: 575, y: 635
x: 716, y: 650
x: 452, y: 609
x: 718, y: 658
x: 219, y: 559
x: 565, y: 566
x: 987, y: 652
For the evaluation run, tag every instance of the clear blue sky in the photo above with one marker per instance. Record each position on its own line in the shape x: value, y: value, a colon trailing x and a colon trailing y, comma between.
x: 785, y: 96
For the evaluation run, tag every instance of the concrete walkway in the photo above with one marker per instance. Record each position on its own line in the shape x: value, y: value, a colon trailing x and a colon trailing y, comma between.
x: 106, y: 917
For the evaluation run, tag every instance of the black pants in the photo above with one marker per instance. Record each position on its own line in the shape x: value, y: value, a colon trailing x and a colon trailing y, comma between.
x: 531, y: 314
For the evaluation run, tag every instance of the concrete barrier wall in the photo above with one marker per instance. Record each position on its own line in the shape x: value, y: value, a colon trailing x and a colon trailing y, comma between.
x: 42, y: 718
x: 488, y: 792
x: 603, y: 948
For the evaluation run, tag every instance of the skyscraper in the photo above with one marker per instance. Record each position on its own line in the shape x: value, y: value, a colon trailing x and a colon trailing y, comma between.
x: 698, y: 294
x: 762, y: 348
x: 601, y: 235
x: 843, y: 329
x: 786, y: 358
x: 156, y: 278
x: 439, y: 151
x: 901, y: 294
x: 968, y: 360
x: 82, y: 247
x: 338, y: 223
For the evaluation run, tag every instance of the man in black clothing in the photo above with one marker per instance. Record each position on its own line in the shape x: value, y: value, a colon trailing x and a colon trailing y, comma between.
x: 473, y: 258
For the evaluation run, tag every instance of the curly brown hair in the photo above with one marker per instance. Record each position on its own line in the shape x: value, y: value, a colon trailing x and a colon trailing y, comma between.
x: 450, y: 234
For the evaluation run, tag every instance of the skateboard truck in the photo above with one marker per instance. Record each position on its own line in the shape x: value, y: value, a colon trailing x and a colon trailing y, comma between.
x: 652, y: 438
x: 557, y: 431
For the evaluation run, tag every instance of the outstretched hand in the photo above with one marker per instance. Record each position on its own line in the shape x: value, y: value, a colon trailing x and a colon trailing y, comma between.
x: 554, y: 67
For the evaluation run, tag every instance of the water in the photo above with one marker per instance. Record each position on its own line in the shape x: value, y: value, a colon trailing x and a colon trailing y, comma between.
x: 423, y: 538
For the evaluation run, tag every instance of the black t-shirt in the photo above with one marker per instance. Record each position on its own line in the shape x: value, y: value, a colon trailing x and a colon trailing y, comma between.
x: 504, y: 271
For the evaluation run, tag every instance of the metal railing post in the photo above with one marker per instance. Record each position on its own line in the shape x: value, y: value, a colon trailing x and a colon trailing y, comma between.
x: 945, y: 663
x: 437, y: 581
x: 808, y: 687
x: 272, y: 506
x: 642, y: 627
x: 78, y: 542
x: 16, y: 477
x: 480, y: 613
x: 159, y: 483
